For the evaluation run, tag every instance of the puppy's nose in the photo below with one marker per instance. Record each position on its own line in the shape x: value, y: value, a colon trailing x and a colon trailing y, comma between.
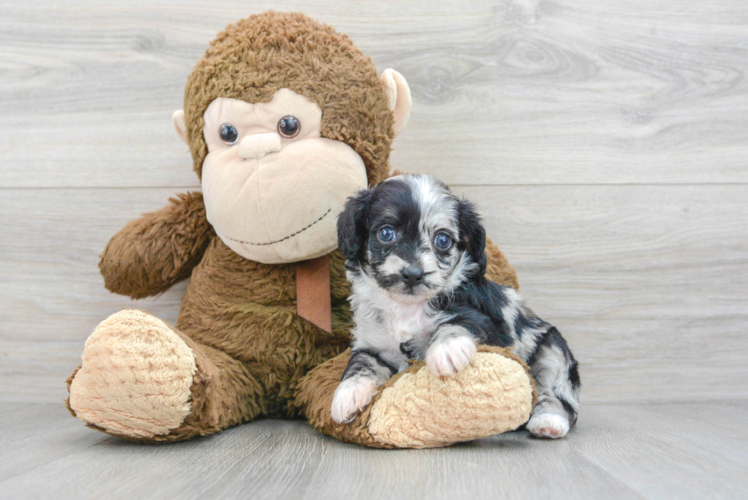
x: 412, y: 274
x: 258, y: 145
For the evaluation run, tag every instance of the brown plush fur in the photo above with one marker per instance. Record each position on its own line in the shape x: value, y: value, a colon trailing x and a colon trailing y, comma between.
x: 255, y: 356
x: 255, y: 57
x: 152, y: 253
x: 315, y: 399
x: 238, y: 316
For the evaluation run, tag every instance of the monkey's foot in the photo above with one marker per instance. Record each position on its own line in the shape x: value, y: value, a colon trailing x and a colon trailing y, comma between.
x: 416, y: 409
x: 492, y: 395
x: 135, y: 378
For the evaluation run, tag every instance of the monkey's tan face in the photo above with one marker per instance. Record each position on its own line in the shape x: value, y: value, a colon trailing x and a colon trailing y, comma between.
x: 273, y: 187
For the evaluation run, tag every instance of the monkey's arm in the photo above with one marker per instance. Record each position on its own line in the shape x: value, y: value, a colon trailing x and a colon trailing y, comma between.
x: 157, y: 250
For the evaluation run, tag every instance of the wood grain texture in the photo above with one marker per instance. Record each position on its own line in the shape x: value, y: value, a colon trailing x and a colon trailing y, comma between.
x: 51, y: 294
x: 505, y: 92
x: 605, y: 142
x: 647, y: 283
x: 652, y: 451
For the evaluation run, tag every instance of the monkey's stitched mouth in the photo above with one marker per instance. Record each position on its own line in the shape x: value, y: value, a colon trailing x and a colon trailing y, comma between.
x: 282, y: 239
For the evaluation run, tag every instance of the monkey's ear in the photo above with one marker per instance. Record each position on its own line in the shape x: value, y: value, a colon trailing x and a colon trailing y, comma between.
x: 398, y: 97
x: 177, y: 119
x: 352, y: 225
x: 472, y: 233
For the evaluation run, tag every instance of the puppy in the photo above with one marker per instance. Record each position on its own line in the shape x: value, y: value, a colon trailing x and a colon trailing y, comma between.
x: 416, y: 262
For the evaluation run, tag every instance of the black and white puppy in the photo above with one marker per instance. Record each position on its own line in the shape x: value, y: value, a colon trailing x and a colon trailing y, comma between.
x: 416, y: 262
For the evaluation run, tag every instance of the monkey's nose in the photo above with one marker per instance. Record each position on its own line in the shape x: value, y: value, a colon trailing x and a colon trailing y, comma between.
x: 255, y: 146
x: 412, y: 275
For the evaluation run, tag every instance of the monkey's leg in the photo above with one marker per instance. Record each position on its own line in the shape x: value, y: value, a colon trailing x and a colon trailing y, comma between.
x: 145, y: 381
x: 416, y: 409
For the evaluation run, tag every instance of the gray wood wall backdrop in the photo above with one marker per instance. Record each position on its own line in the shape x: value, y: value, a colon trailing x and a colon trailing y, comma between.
x: 606, y: 143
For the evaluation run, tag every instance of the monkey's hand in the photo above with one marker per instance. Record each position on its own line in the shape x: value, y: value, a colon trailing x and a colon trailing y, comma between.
x: 157, y: 250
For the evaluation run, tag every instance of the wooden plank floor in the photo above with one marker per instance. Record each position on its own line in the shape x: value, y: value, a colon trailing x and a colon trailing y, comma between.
x: 605, y: 142
x: 632, y: 451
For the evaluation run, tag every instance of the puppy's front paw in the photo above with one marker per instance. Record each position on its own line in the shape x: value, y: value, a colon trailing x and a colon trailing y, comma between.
x: 451, y: 355
x: 548, y: 425
x: 352, y: 396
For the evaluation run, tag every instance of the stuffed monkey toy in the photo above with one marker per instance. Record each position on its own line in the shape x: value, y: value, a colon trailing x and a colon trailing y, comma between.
x: 285, y: 119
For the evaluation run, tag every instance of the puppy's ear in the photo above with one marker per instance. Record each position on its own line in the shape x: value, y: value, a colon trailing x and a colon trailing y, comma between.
x: 351, y: 225
x: 472, y: 233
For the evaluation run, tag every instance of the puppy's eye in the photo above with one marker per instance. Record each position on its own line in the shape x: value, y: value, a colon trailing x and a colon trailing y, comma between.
x: 386, y: 234
x: 228, y: 133
x: 443, y: 241
x: 289, y: 126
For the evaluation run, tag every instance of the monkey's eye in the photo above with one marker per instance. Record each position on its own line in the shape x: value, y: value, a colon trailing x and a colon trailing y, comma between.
x: 228, y: 133
x: 443, y: 241
x: 289, y: 126
x: 386, y: 234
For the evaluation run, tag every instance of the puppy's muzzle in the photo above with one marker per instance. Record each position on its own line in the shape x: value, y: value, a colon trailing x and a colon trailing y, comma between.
x: 412, y: 275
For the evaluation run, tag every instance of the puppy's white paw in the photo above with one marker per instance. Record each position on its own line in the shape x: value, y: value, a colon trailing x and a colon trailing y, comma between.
x: 451, y: 355
x: 352, y: 396
x: 548, y: 425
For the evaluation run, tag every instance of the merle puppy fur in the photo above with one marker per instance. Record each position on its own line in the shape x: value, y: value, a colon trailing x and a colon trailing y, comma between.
x: 416, y: 262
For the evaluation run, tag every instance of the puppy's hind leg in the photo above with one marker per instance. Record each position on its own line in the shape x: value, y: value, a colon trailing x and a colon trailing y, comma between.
x: 557, y: 380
